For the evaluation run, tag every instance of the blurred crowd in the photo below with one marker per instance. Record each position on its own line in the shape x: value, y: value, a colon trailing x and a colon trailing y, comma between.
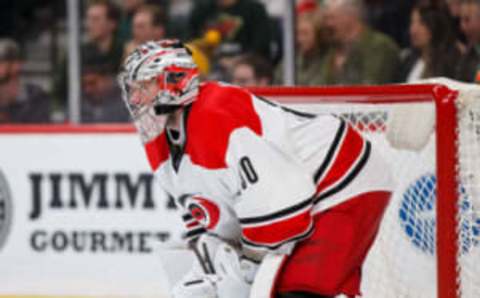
x: 337, y: 42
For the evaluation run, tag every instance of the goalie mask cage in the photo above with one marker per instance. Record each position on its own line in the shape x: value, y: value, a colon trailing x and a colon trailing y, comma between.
x: 428, y: 243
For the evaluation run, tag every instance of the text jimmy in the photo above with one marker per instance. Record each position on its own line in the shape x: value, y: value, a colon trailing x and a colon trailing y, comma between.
x: 99, y: 191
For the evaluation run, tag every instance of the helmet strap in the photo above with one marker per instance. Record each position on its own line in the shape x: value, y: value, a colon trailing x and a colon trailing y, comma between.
x: 162, y: 109
x: 177, y: 136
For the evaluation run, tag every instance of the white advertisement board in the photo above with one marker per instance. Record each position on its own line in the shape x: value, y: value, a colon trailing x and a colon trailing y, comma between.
x: 80, y: 214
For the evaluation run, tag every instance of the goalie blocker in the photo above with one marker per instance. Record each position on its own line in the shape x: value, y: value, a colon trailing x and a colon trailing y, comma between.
x: 250, y: 171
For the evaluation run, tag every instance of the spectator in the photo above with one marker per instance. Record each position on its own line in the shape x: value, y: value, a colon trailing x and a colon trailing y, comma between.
x: 311, y: 46
x: 390, y: 17
x: 178, y: 13
x: 244, y: 26
x: 101, y: 96
x: 101, y: 26
x: 252, y: 70
x: 453, y: 7
x: 433, y: 51
x: 468, y: 68
x: 148, y: 24
x: 129, y: 8
x: 19, y: 103
x: 8, y: 16
x: 358, y: 55
x: 275, y: 8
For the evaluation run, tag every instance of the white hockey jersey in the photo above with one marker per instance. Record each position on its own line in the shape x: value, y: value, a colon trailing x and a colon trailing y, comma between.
x: 255, y: 171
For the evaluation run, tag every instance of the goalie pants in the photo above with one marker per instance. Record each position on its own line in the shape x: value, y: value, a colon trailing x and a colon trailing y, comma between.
x: 329, y: 261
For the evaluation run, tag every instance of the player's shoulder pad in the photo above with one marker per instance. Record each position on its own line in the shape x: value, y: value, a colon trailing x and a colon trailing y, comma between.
x: 219, y: 110
x: 157, y: 151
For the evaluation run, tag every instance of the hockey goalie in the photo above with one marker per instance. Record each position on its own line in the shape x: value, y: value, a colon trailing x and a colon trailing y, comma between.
x: 277, y: 203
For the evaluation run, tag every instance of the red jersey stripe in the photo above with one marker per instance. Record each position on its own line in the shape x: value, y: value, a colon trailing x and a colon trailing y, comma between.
x: 348, y: 152
x: 192, y: 224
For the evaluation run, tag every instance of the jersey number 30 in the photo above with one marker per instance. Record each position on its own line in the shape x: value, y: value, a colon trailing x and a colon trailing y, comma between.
x: 248, y: 172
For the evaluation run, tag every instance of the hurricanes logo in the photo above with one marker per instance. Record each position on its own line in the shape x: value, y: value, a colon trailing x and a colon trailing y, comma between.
x: 417, y: 216
x: 5, y: 210
x: 204, y: 211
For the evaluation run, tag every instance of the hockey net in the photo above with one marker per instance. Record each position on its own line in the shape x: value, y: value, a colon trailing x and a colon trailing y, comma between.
x: 428, y: 244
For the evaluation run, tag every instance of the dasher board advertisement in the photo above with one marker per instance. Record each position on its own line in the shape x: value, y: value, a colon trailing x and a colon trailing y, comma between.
x: 81, y: 214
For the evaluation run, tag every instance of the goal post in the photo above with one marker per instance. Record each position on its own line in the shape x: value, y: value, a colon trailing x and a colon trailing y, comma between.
x: 447, y: 192
x: 429, y: 241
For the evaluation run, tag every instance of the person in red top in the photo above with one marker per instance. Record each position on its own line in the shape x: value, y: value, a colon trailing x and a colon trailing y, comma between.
x: 276, y: 202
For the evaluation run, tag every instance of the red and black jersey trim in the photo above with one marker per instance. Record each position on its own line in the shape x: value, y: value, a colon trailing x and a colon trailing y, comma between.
x: 276, y: 215
x: 274, y: 229
x: 349, y: 176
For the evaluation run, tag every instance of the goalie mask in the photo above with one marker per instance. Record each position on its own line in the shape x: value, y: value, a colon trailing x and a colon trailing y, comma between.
x: 157, y: 79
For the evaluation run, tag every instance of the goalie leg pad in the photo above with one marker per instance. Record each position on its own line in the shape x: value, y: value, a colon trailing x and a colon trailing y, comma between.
x: 234, y: 274
x: 264, y: 283
x: 195, y: 286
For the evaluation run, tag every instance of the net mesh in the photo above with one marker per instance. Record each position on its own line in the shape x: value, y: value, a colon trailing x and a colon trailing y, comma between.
x: 468, y: 106
x: 403, y: 260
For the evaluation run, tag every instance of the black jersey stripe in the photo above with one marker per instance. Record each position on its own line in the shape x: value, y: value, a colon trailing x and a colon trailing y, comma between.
x: 195, y: 233
x: 286, y: 109
x: 276, y: 215
x: 193, y: 282
x: 341, y: 131
x: 298, y: 113
x: 349, y: 178
x: 277, y: 245
x: 257, y: 262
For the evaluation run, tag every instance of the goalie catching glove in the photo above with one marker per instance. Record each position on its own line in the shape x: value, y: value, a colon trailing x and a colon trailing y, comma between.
x: 218, y: 272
